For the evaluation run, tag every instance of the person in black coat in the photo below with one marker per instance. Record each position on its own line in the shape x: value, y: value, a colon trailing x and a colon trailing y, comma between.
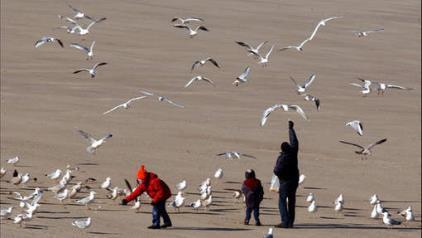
x: 287, y: 171
x: 254, y: 193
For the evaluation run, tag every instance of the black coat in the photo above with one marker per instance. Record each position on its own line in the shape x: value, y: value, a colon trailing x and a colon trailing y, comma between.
x: 253, y: 191
x: 286, y: 167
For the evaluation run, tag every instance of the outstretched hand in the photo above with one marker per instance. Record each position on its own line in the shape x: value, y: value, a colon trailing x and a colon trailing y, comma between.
x: 291, y: 124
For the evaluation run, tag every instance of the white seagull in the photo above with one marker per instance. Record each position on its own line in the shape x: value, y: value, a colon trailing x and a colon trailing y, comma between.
x: 203, y: 61
x: 182, y: 185
x: 365, y: 33
x: 199, y: 78
x: 178, y: 201
x: 82, y: 223
x: 219, y: 173
x: 314, y: 99
x: 196, y: 205
x: 243, y: 78
x: 301, y: 88
x: 408, y: 214
x: 5, y: 212
x: 285, y: 108
x: 235, y: 155
x: 162, y: 99
x: 365, y: 150
x: 94, y: 143
x: 310, y: 197
x: 46, y: 39
x: 373, y: 199
x: 2, y: 172
x: 251, y: 49
x: 92, y: 71
x: 125, y: 105
x: 89, y: 51
x: 83, y: 31
x: 387, y: 220
x: 78, y: 13
x: 13, y: 160
x: 366, y: 86
x: 106, y: 184
x: 87, y: 200
x: 382, y: 87
x: 323, y: 22
x: 184, y: 21
x: 313, y: 208
x: 339, y: 199
x: 356, y: 125
x: 63, y: 195
x: 269, y: 234
x: 302, y: 178
x: 263, y: 60
x: 192, y: 32
x: 54, y: 175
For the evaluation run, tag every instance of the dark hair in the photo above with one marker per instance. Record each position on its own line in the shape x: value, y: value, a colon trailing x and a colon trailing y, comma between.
x: 250, y: 173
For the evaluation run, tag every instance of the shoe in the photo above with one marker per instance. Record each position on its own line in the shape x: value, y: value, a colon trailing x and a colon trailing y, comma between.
x: 291, y: 225
x: 166, y: 225
x: 281, y: 225
x: 246, y: 222
x: 154, y: 227
x: 258, y: 223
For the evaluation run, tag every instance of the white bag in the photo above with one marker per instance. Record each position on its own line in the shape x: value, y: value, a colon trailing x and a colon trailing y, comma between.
x: 275, y: 184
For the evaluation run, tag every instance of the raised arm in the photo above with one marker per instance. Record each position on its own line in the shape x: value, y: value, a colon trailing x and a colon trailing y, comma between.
x: 294, y: 143
x: 138, y: 191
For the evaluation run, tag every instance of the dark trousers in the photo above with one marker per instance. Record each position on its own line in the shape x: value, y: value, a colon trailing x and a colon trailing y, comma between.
x: 255, y: 211
x: 287, y: 202
x: 159, y: 210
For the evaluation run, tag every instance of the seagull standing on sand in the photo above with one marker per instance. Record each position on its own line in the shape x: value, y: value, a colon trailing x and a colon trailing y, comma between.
x: 82, y: 223
x: 310, y: 197
x: 54, y: 175
x: 2, y: 172
x: 192, y: 32
x: 285, y: 108
x: 243, y: 78
x: 408, y: 214
x: 94, y: 143
x: 365, y: 33
x: 178, y: 201
x: 251, y: 50
x: 301, y: 88
x: 269, y: 234
x: 199, y: 78
x: 46, y: 39
x: 203, y: 61
x: 162, y: 99
x: 365, y: 150
x: 313, y: 208
x: 125, y: 105
x: 87, y: 200
x: 106, y: 184
x: 356, y: 125
x: 89, y: 51
x: 387, y: 220
x: 196, y: 205
x: 302, y: 178
x: 219, y: 173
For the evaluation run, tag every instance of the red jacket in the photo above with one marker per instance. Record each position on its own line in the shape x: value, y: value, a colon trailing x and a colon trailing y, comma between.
x: 156, y: 188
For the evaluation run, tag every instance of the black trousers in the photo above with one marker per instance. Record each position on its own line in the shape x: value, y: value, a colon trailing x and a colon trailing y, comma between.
x: 287, y: 202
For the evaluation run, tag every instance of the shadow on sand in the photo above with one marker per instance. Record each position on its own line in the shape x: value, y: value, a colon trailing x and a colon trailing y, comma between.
x: 209, y: 229
x: 351, y: 226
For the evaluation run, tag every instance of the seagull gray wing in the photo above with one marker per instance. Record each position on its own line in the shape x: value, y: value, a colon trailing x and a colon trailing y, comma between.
x: 202, y: 28
x: 109, y: 135
x: 195, y: 64
x: 79, y: 47
x: 208, y: 80
x: 299, y: 110
x: 243, y: 44
x: 309, y: 80
x: 182, y: 26
x: 377, y: 143
x: 260, y: 45
x: 213, y: 62
x: 114, y: 108
x: 267, y: 113
x: 248, y: 156
x: 147, y: 93
x: 349, y: 143
x: 294, y: 81
x: 99, y: 64
x: 191, y: 81
x: 269, y: 52
x: 193, y: 19
x: 315, y: 31
x: 397, y: 87
x: 80, y: 70
x: 173, y: 103
x: 303, y: 43
x: 74, y: 9
x: 245, y: 73
x: 86, y: 136
x: 356, y: 85
x: 135, y: 99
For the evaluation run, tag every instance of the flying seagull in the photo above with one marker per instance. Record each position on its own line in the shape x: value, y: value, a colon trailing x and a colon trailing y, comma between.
x: 314, y: 99
x: 235, y: 155
x: 162, y: 99
x: 192, y: 32
x: 89, y: 51
x: 184, y: 21
x: 285, y: 108
x: 301, y: 88
x: 199, y: 78
x: 357, y: 126
x: 46, y: 39
x: 83, y: 31
x: 296, y: 47
x: 382, y: 87
x: 78, y: 13
x: 202, y: 62
x: 365, y: 33
x: 366, y: 86
x: 243, y: 78
x: 94, y: 144
x: 365, y: 150
x: 251, y: 49
x: 263, y: 60
x: 124, y: 105
x: 323, y: 22
x: 92, y: 71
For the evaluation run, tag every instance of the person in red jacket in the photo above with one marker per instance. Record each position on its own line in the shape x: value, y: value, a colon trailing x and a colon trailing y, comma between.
x: 159, y: 192
x: 254, y: 194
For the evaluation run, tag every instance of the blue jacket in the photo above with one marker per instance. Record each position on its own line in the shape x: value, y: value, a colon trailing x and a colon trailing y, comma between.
x: 286, y: 167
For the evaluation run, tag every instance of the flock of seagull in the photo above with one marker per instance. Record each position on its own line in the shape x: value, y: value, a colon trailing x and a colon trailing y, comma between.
x: 62, y: 191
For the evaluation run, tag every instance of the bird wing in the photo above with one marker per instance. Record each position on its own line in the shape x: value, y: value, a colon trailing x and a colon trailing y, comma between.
x: 331, y: 18
x: 315, y: 31
x: 175, y: 104
x: 269, y: 52
x: 99, y: 64
x: 213, y: 62
x: 202, y: 28
x: 86, y: 136
x: 349, y: 143
x: 208, y: 81
x: 397, y: 87
x: 309, y: 80
x: 182, y: 26
x: 193, y: 19
x: 356, y: 85
x: 147, y: 93
x: 376, y: 30
x: 267, y: 113
x: 248, y: 156
x: 286, y: 48
x: 299, y: 110
x: 60, y: 42
x: 79, y: 47
x: 194, y: 65
x: 377, y: 143
x: 260, y: 45
x: 243, y: 44
x: 40, y: 42
x: 92, y: 46
x: 317, y: 103
x: 74, y: 9
x: 80, y: 70
x: 135, y: 99
x: 114, y: 108
x: 294, y: 81
x: 190, y: 82
x: 245, y: 73
x: 106, y: 137
x: 303, y: 43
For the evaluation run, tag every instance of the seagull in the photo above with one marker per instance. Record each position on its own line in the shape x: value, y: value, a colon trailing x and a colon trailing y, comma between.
x: 162, y: 99
x: 89, y: 51
x: 25, y: 178
x: 356, y: 125
x: 199, y: 78
x: 196, y: 205
x: 269, y: 234
x: 92, y: 71
x: 366, y: 87
x: 379, y: 208
x: 302, y: 178
x: 311, y: 98
x: 310, y: 197
x: 63, y: 195
x: 374, y: 213
x: 106, y: 184
x: 94, y: 143
x: 202, y: 62
x: 206, y: 193
x: 323, y: 22
x: 125, y: 105
x: 296, y: 47
x: 408, y: 214
x: 83, y: 31
x: 5, y: 213
x: 178, y: 201
x: 46, y: 39
x: 192, y: 32
x: 285, y: 108
x: 301, y: 88
x: 243, y: 78
x: 251, y: 49
x: 235, y: 155
x: 237, y: 194
x: 82, y: 223
x: 312, y: 208
x: 338, y: 207
x: 184, y: 21
x: 2, y: 172
x: 58, y: 187
x: 204, y: 185
x: 22, y: 217
x: 54, y: 175
x: 219, y: 173
x: 387, y: 220
x: 339, y: 199
x: 87, y: 200
x: 365, y: 150
x: 263, y: 60
x: 382, y: 87
x: 373, y: 199
x: 79, y: 14
x: 182, y: 185
x: 365, y: 33
x: 13, y: 160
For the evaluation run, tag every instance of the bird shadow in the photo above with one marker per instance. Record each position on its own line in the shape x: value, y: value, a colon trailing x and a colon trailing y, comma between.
x: 50, y: 212
x: 210, y: 229
x: 314, y: 188
x: 60, y: 217
x: 87, y: 163
x: 232, y: 182
x: 36, y: 227
x: 102, y: 233
x: 350, y: 226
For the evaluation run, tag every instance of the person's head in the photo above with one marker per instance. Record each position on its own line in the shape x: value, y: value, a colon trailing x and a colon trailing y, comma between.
x: 285, y: 147
x: 250, y: 173
x: 142, y: 174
